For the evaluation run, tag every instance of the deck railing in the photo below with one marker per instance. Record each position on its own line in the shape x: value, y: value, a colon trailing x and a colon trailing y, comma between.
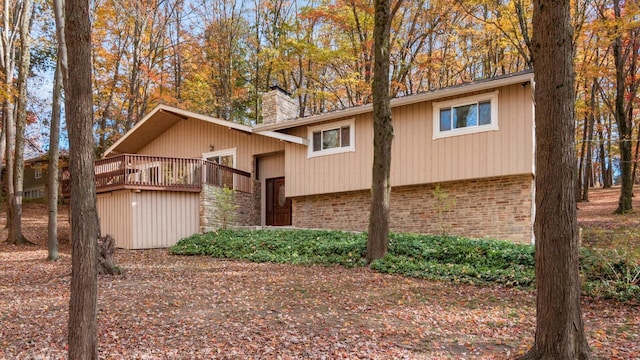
x: 144, y: 172
x: 224, y: 176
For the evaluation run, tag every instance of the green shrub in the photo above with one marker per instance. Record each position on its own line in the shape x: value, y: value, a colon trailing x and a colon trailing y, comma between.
x: 610, y: 273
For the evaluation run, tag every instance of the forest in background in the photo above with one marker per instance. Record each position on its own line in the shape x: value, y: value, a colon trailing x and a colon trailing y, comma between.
x: 216, y: 57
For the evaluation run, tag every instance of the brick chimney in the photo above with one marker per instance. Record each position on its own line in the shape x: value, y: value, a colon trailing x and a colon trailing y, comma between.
x: 278, y: 106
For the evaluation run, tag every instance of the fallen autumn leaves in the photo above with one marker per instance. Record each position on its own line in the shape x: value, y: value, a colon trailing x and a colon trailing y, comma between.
x: 172, y: 307
x: 167, y: 307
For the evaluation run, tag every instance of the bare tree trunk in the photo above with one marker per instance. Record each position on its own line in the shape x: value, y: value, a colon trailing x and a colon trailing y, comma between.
x: 378, y: 234
x: 54, y: 160
x: 588, y: 167
x: 636, y: 157
x: 10, y: 130
x: 8, y: 66
x: 581, y: 172
x: 15, y: 230
x: 84, y: 219
x: 625, y: 203
x: 3, y: 150
x: 58, y: 9
x: 559, y: 326
x: 60, y: 79
x: 609, y: 182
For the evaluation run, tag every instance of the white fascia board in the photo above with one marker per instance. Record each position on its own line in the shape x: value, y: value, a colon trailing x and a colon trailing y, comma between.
x: 285, y: 137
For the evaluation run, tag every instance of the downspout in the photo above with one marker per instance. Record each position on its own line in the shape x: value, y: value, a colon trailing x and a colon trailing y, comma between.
x: 533, y: 163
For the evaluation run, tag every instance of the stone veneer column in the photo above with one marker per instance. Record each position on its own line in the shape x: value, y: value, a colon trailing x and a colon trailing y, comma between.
x: 247, y: 213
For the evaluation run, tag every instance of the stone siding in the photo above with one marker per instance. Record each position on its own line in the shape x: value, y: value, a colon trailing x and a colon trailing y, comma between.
x: 247, y: 211
x: 494, y: 208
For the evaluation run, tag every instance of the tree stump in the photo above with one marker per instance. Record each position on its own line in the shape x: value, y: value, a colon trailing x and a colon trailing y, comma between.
x: 106, y: 256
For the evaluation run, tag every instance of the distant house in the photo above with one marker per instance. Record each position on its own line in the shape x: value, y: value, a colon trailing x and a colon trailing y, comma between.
x: 36, y: 177
x: 473, y: 142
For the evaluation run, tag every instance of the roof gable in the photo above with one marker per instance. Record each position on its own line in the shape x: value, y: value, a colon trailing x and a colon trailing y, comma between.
x: 161, y: 119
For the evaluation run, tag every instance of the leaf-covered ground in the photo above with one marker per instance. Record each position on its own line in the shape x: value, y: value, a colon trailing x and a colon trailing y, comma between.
x: 171, y: 307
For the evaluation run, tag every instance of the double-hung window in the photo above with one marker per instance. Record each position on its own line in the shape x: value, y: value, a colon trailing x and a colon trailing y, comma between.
x: 467, y: 115
x: 332, y: 138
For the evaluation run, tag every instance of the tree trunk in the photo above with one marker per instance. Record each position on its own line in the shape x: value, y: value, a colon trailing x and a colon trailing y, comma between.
x: 588, y: 167
x: 106, y: 256
x: 609, y: 182
x: 7, y: 61
x: 636, y: 157
x: 15, y: 230
x: 84, y: 219
x: 3, y: 150
x: 625, y: 204
x: 54, y: 160
x: 378, y: 236
x: 583, y: 149
x: 10, y: 152
x: 559, y: 327
x: 58, y: 9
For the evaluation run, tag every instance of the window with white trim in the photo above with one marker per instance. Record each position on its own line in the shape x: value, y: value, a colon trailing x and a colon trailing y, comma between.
x: 332, y: 138
x: 467, y: 115
x: 226, y: 157
x: 37, y: 171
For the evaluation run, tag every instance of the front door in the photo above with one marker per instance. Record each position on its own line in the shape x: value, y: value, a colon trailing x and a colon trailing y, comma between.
x: 278, y: 205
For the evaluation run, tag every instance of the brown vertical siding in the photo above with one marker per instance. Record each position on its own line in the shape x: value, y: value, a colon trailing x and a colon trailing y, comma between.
x: 148, y: 219
x: 416, y: 157
x: 161, y: 218
x: 191, y: 138
x: 114, y: 211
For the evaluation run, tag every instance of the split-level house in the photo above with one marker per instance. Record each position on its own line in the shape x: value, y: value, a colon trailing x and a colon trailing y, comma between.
x: 462, y: 163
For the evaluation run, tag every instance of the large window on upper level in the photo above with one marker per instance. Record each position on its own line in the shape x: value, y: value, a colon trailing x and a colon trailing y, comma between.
x: 332, y: 138
x: 467, y: 115
x: 37, y: 171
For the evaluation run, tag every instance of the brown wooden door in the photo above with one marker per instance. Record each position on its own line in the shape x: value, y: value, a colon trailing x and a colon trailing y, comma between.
x: 278, y: 206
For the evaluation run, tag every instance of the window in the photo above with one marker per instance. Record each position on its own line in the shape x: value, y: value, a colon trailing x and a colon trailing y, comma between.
x: 332, y: 138
x: 37, y: 171
x: 465, y: 116
x: 226, y: 158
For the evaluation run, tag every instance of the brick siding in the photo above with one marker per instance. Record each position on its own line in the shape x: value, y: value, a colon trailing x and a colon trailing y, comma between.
x: 494, y: 208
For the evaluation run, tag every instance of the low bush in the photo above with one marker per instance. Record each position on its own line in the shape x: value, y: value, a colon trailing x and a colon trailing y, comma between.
x: 608, y: 274
x: 279, y: 246
x: 459, y: 259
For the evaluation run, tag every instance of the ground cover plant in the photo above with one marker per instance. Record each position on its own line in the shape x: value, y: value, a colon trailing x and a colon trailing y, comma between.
x: 436, y: 257
x: 200, y: 307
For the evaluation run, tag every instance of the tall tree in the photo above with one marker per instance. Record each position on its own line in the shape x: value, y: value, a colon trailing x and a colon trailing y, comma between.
x: 15, y: 198
x: 10, y: 31
x: 60, y: 76
x: 623, y: 111
x: 378, y: 233
x: 559, y: 327
x: 54, y: 161
x: 84, y: 218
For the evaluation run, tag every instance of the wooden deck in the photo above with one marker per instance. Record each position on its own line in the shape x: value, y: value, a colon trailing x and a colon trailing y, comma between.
x: 142, y: 172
